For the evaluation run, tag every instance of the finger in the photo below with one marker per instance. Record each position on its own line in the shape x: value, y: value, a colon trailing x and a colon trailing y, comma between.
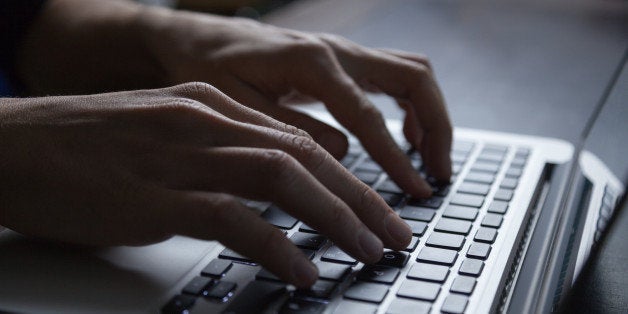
x: 419, y: 58
x: 414, y: 82
x: 333, y: 140
x: 411, y: 125
x: 367, y: 205
x: 212, y: 216
x: 216, y: 100
x: 348, y: 104
x: 273, y: 175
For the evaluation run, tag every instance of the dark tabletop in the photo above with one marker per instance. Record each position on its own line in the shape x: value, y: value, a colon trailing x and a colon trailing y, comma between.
x: 512, y: 66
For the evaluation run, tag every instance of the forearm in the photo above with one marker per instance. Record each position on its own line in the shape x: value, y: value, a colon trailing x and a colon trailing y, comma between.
x: 86, y: 46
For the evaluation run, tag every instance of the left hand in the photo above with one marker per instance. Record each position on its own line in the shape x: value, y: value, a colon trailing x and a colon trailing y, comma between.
x: 259, y: 65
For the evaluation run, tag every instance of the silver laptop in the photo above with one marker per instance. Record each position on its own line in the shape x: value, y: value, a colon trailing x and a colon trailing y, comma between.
x: 509, y: 234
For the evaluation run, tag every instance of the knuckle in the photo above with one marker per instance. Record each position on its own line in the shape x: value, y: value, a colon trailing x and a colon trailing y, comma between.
x: 368, y: 198
x: 420, y: 71
x: 425, y: 61
x: 310, y: 47
x: 277, y: 164
x: 302, y: 146
x: 198, y: 89
x: 179, y: 106
x: 291, y: 129
x: 370, y: 114
x: 219, y: 210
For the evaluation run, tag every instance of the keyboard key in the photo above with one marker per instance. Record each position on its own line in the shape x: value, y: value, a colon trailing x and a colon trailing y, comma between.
x: 441, y: 189
x: 428, y: 272
x: 179, y: 304
x: 221, y: 290
x: 353, y: 307
x: 479, y: 250
x: 479, y: 177
x: 369, y: 165
x: 509, y: 183
x: 433, y: 202
x: 491, y: 157
x: 233, y: 255
x: 197, y: 285
x: 378, y: 274
x: 264, y: 274
x: 255, y: 296
x: 471, y: 267
x: 474, y: 188
x: 391, y: 199
x: 453, y: 226
x: 216, y: 268
x: 417, y: 213
x: 413, y: 244
x: 514, y: 172
x: 486, y: 235
x: 492, y: 220
x: 459, y: 158
x: 420, y: 290
x: 489, y: 167
x: 308, y: 240
x: 277, y: 217
x: 332, y: 271
x: 462, y: 146
x: 296, y: 306
x: 321, y: 289
x: 456, y: 168
x: 437, y: 256
x: 523, y: 151
x: 308, y: 253
x: 306, y: 228
x: 367, y: 177
x: 503, y: 195
x: 335, y: 254
x: 518, y: 162
x: 418, y: 227
x: 498, y: 207
x: 445, y: 240
x: 494, y: 148
x: 463, y: 284
x: 394, y: 259
x: 389, y: 186
x: 368, y: 292
x: 454, y: 304
x: 460, y: 212
x: 467, y: 200
x: 405, y: 306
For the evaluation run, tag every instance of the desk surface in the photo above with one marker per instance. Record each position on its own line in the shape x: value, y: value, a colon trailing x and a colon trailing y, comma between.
x: 532, y: 67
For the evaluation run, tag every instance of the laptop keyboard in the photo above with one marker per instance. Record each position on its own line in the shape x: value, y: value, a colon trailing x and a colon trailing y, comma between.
x: 453, y: 235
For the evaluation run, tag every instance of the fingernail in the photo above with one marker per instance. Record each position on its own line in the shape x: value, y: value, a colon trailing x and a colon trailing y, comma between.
x: 304, y: 272
x: 398, y: 229
x: 371, y: 245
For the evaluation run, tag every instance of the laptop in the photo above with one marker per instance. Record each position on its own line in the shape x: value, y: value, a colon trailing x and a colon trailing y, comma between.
x: 510, y: 233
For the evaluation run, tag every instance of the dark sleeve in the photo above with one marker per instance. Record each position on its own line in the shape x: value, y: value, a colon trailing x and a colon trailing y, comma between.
x: 15, y: 18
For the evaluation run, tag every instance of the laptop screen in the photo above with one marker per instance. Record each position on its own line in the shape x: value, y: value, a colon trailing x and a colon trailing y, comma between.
x: 607, y: 138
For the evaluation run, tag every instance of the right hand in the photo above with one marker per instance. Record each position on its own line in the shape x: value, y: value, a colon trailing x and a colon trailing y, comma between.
x: 137, y: 167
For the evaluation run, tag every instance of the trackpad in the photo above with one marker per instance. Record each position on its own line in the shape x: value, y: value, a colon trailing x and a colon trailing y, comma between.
x: 39, y: 276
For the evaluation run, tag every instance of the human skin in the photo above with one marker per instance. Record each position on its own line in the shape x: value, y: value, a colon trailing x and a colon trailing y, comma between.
x: 136, y: 167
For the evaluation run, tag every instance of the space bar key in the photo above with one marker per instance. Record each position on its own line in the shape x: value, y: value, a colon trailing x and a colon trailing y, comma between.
x: 255, y: 297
